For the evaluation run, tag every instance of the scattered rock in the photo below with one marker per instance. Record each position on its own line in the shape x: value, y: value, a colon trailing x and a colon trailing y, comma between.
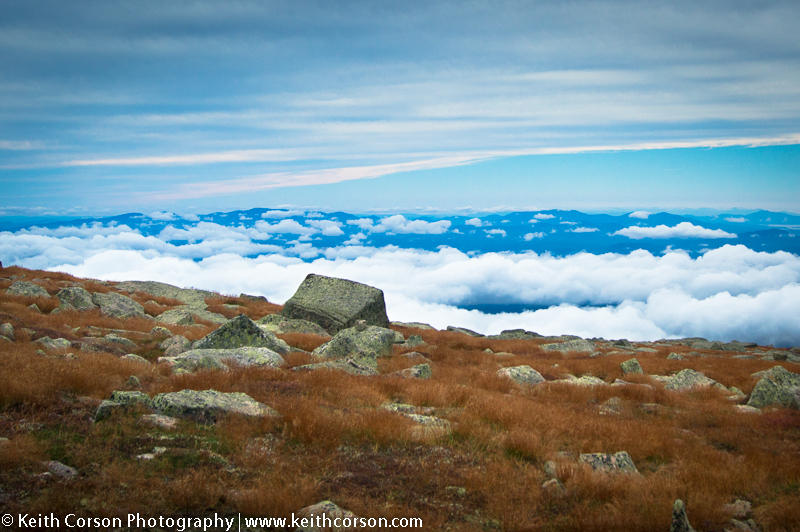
x: 190, y: 296
x: 118, y: 306
x: 744, y: 409
x: 622, y: 343
x: 420, y: 371
x: 522, y: 375
x: 75, y: 298
x: 515, y: 334
x: 310, y: 516
x: 413, y: 341
x: 160, y: 332
x: 363, y: 346
x: 413, y: 355
x: 336, y: 304
x: 197, y: 359
x: 609, y: 463
x: 26, y: 288
x: 133, y: 382
x: 680, y: 522
x: 611, y: 407
x: 413, y: 325
x: 687, y: 379
x: 177, y: 316
x: 739, y: 509
x: 241, y: 332
x: 119, y: 340
x: 163, y: 422
x: 53, y: 344
x: 348, y: 365
x: 175, y: 345
x: 60, y: 470
x: 777, y: 387
x: 579, y: 345
x: 554, y: 487
x: 205, y: 315
x: 208, y: 405
x: 462, y: 330
x: 675, y: 356
x: 120, y: 400
x: 34, y: 307
x: 248, y: 297
x: 631, y: 366
x: 280, y: 324
x: 7, y: 331
x: 585, y: 380
x: 550, y: 469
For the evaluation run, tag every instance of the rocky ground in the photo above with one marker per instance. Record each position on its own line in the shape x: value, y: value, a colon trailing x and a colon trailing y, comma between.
x: 118, y: 398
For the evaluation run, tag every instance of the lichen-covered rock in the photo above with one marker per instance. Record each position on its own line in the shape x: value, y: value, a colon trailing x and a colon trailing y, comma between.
x: 579, y: 345
x: 120, y: 400
x: 413, y: 325
x: 363, y: 346
x: 680, y: 521
x: 464, y: 330
x: 205, y: 315
x: 175, y: 345
x: 347, y: 365
x: 7, y: 331
x: 135, y: 358
x: 617, y: 462
x: 687, y: 379
x: 26, y: 288
x: 280, y: 324
x: 336, y: 304
x: 413, y: 341
x: 584, y: 380
x: 212, y: 358
x: 515, y: 334
x: 117, y: 305
x: 420, y: 371
x: 61, y: 470
x: 241, y: 331
x: 190, y: 296
x: 160, y: 332
x: 325, y: 509
x: 177, y: 316
x: 120, y: 340
x: 75, y: 298
x: 675, y: 356
x: 54, y: 344
x: 631, y: 366
x: 777, y: 387
x: 522, y: 375
x: 209, y: 405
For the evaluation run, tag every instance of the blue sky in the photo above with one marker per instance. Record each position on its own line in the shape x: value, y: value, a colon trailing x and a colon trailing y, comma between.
x: 107, y: 107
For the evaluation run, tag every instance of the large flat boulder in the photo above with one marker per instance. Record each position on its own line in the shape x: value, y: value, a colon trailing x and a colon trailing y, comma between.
x: 777, y: 387
x: 280, y: 324
x: 580, y: 345
x: 241, y: 331
x: 26, y: 288
x: 75, y: 298
x: 208, y: 405
x: 214, y: 358
x: 117, y: 305
x: 362, y: 346
x: 336, y: 304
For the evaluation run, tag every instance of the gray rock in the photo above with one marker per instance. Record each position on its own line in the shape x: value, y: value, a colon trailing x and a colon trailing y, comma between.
x: 554, y: 487
x: 777, y: 387
x: 190, y: 296
x: 119, y: 340
x: 26, y: 288
x: 739, y: 509
x: 160, y: 332
x: 463, y: 330
x: 325, y: 508
x: 363, y: 346
x: 347, y: 365
x: 680, y: 522
x: 163, y: 422
x: 117, y: 305
x: 248, y: 297
x: 585, y: 380
x: 75, y: 298
x: 611, y: 407
x: 176, y: 317
x: 413, y: 341
x: 522, y: 375
x: 675, y: 356
x: 611, y: 463
x: 413, y: 355
x: 34, y: 307
x: 241, y: 332
x: 212, y: 358
x: 280, y: 324
x: 54, y: 344
x: 579, y: 345
x: 60, y: 470
x: 336, y: 304
x: 135, y: 358
x: 361, y: 325
x: 631, y: 366
x: 133, y: 382
x: 205, y: 315
x: 515, y: 334
x: 7, y: 331
x: 622, y: 343
x: 687, y: 379
x: 209, y: 405
x: 175, y: 345
x: 121, y: 400
x: 420, y: 371
x: 744, y: 409
x: 413, y: 325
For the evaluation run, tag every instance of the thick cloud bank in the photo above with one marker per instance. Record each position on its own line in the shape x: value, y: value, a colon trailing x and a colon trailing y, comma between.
x: 727, y: 293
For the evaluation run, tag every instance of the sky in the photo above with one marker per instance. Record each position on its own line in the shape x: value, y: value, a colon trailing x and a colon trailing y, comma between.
x: 110, y: 107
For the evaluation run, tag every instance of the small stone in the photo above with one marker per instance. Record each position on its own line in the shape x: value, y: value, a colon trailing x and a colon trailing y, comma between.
x: 163, y: 422
x: 34, y: 307
x: 456, y: 491
x: 522, y: 375
x: 130, y: 357
x: 7, y: 331
x: 550, y: 469
x: 631, y: 366
x: 133, y: 382
x: 680, y: 522
x: 361, y: 325
x: 554, y: 487
x: 739, y: 509
x: 160, y: 332
x: 617, y: 462
x: 675, y: 356
x: 60, y: 470
x: 420, y: 371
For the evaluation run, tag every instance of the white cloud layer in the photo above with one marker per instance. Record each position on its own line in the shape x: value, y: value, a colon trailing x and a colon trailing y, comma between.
x: 643, y: 215
x: 728, y: 293
x: 682, y: 230
x: 398, y: 224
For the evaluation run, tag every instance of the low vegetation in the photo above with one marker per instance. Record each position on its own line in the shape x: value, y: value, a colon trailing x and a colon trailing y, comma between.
x: 334, y: 441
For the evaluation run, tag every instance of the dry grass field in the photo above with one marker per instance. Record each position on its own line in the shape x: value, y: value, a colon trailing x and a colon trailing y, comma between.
x: 334, y: 441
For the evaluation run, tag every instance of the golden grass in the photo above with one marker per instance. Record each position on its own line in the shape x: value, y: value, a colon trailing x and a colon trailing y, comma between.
x: 333, y: 441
